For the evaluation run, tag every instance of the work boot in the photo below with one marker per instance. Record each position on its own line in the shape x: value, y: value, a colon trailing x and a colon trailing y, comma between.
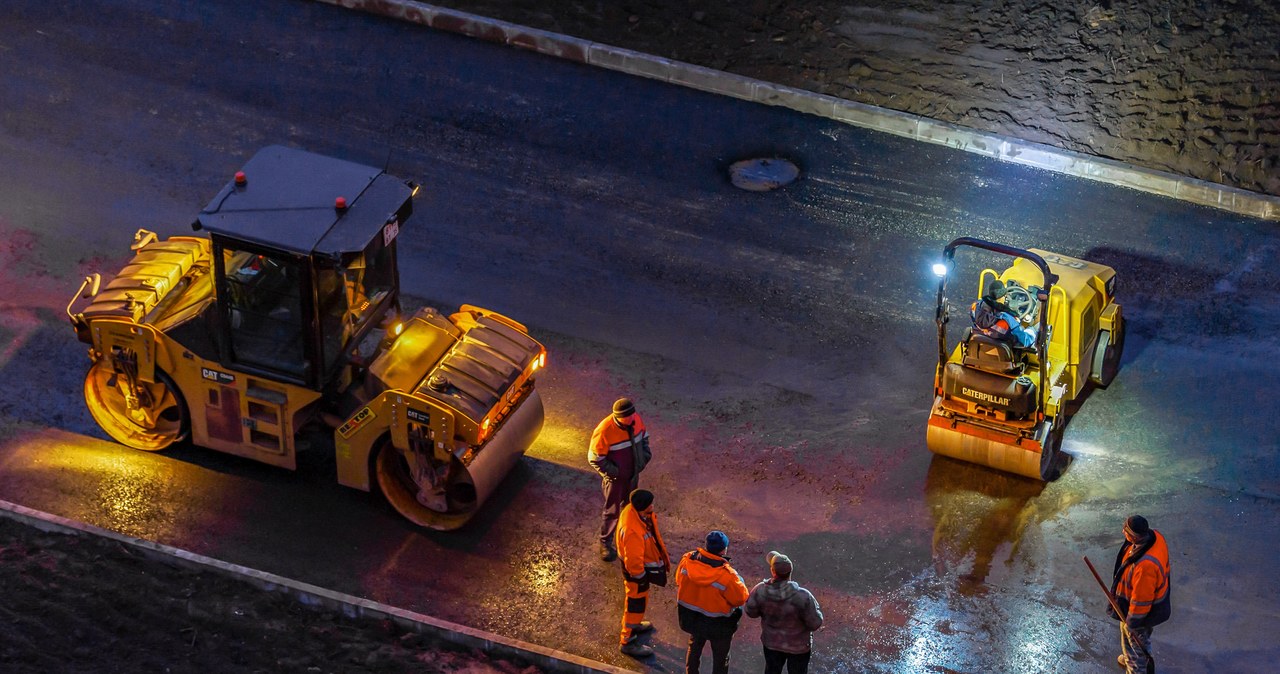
x: 643, y: 628
x: 1123, y: 660
x: 635, y: 649
x: 607, y: 553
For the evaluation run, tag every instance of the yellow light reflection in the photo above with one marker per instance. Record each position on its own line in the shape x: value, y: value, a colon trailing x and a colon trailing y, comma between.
x: 540, y: 574
x: 562, y: 444
x: 114, y: 487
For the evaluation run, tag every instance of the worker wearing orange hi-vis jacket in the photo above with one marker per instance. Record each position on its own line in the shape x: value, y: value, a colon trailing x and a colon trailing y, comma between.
x: 645, y: 562
x: 710, y: 595
x: 619, y: 450
x: 1141, y: 591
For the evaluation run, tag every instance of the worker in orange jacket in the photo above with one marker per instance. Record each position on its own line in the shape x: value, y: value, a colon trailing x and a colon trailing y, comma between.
x: 1141, y: 589
x: 710, y: 595
x: 619, y: 450
x: 993, y: 318
x: 645, y: 562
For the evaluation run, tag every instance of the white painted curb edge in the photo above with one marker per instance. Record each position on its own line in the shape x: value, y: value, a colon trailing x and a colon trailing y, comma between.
x: 1047, y: 157
x: 311, y: 595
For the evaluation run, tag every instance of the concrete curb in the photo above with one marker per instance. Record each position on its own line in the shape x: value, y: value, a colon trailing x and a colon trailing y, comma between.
x: 897, y: 123
x: 311, y: 595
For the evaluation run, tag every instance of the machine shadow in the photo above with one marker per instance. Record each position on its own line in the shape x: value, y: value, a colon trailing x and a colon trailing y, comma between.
x: 1156, y: 294
x: 1169, y: 294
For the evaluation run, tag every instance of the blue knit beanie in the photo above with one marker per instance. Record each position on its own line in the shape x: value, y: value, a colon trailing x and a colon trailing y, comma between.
x: 717, y: 542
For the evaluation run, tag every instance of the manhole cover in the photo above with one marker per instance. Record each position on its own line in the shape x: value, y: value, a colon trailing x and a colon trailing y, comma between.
x: 762, y: 175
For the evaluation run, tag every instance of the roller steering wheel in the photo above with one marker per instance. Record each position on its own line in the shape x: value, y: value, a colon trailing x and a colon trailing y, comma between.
x: 1020, y: 302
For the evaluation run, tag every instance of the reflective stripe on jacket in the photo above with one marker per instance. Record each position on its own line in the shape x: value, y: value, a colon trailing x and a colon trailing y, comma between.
x: 1142, y: 588
x: 706, y: 584
x: 613, y: 452
x: 639, y: 544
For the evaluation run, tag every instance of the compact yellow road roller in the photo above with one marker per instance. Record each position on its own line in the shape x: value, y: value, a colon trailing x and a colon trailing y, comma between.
x: 287, y: 317
x: 1001, y: 404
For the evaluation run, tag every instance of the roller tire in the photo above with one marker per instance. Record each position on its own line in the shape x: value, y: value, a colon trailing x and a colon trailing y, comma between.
x: 167, y: 423
x: 1106, y: 359
x: 1049, y: 468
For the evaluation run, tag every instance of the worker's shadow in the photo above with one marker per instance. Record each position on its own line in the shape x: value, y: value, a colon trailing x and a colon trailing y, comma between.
x: 980, y: 515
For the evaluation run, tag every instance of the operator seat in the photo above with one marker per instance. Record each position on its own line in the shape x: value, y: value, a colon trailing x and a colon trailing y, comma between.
x: 990, y: 376
x: 991, y: 355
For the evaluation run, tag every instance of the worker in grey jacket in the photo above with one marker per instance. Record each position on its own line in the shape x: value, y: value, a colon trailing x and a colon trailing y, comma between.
x: 789, y: 616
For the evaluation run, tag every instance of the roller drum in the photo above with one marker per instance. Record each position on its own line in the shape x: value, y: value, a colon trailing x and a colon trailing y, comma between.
x: 508, y: 444
x: 469, y: 486
x: 1009, y: 456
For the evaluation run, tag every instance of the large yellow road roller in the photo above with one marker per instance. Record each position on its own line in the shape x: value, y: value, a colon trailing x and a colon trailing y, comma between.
x: 287, y: 316
x: 1004, y: 405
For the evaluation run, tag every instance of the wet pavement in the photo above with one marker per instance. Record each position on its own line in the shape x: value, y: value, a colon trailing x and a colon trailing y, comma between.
x: 780, y: 345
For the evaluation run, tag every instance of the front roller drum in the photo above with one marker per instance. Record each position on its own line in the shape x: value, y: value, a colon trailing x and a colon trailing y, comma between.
x: 1032, y: 457
x: 138, y: 414
x: 469, y: 486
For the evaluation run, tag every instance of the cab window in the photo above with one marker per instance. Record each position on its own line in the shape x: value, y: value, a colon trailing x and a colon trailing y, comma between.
x: 264, y: 310
x: 348, y: 293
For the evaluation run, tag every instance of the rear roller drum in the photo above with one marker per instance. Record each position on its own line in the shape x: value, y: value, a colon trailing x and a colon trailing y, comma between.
x: 150, y: 417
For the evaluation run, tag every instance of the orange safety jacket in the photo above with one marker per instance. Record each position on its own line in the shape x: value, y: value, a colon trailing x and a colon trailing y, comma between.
x: 706, y: 584
x: 639, y: 544
x: 1142, y: 584
x: 616, y: 453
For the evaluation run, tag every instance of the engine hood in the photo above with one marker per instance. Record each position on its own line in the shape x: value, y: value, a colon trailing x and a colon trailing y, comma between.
x: 150, y: 276
x: 482, y: 367
x: 465, y: 364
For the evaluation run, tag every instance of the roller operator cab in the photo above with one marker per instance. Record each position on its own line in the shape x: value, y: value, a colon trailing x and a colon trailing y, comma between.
x: 286, y: 317
x: 1000, y: 405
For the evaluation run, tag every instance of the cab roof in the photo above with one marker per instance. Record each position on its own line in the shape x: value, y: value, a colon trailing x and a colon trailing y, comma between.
x: 288, y: 202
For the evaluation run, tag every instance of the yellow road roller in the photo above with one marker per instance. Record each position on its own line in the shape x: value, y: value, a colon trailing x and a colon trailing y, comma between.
x: 1001, y: 403
x: 287, y: 317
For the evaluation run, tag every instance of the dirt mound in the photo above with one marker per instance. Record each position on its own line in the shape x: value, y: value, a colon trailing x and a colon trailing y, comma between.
x: 1184, y: 86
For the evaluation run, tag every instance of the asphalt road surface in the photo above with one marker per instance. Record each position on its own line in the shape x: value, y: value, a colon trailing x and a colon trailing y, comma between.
x: 780, y: 345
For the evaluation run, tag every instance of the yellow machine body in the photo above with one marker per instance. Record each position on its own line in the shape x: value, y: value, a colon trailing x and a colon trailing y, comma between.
x: 434, y: 411
x: 1006, y: 407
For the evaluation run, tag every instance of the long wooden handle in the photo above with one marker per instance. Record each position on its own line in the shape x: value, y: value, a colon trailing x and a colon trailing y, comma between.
x: 1110, y: 598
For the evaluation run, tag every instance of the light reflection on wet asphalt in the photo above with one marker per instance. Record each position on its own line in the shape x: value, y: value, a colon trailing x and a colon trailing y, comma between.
x: 781, y: 344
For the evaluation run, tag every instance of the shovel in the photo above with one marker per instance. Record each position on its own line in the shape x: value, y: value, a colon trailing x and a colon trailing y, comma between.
x: 1124, y: 627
